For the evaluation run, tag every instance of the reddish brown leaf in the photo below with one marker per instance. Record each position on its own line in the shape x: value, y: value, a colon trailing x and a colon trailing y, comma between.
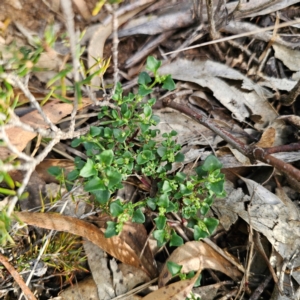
x: 115, y: 246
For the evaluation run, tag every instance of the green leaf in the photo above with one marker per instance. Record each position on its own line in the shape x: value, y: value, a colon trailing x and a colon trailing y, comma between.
x: 151, y: 202
x: 161, y: 151
x: 155, y: 120
x: 106, y: 157
x: 147, y: 111
x: 173, y: 268
x: 198, y: 281
x: 138, y: 216
x: 200, y: 172
x: 88, y: 170
x: 55, y: 171
x: 216, y: 187
x: 151, y: 101
x: 124, y: 108
x: 166, y: 187
x: 95, y: 131
x: 176, y: 240
x: 144, y: 78
x: 159, y: 235
x: 144, y: 91
x: 163, y: 200
x: 160, y: 222
x: 173, y: 133
x: 152, y: 64
x: 114, y: 178
x: 199, y: 233
x: 111, y: 229
x: 73, y: 175
x: 204, y: 208
x: 211, y: 163
x: 179, y: 157
x: 108, y: 132
x: 169, y: 84
x: 185, y: 190
x: 180, y: 177
x: 116, y: 208
x: 94, y: 185
x: 102, y: 196
x: 79, y: 163
x: 144, y: 156
x: 75, y: 143
x: 211, y: 224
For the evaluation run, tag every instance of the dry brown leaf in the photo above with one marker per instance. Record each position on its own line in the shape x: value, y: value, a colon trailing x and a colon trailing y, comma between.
x: 54, y: 110
x: 175, y: 291
x: 135, y: 235
x: 85, y: 289
x: 115, y: 246
x: 195, y: 255
x: 83, y: 9
x: 267, y: 139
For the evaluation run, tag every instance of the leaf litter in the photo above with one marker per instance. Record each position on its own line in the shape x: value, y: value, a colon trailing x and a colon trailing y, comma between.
x: 247, y: 99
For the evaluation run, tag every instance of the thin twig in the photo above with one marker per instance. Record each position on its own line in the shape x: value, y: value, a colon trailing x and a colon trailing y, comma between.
x: 75, y: 50
x: 233, y: 37
x: 252, y: 152
x: 27, y: 292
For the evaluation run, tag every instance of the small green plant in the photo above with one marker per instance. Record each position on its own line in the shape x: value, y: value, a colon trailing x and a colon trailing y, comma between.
x: 124, y: 144
x: 175, y: 270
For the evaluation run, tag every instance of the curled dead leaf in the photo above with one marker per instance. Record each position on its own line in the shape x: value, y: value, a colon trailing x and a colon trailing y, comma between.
x: 195, y: 255
x: 115, y: 246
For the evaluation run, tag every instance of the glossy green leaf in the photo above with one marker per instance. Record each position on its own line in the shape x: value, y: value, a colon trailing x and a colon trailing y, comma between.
x: 102, y: 196
x: 211, y: 163
x: 144, y: 78
x: 179, y: 157
x: 116, y: 208
x: 173, y: 268
x: 166, y: 187
x: 114, y: 178
x: 55, y: 171
x: 111, y: 229
x: 204, y: 208
x: 211, y: 224
x: 151, y: 203
x: 147, y: 111
x: 169, y: 83
x: 176, y: 240
x: 94, y: 185
x: 152, y: 64
x: 106, y: 157
x: 138, y: 216
x: 88, y: 170
x: 199, y: 233
x: 159, y: 235
x: 73, y: 175
x: 160, y: 222
x: 217, y: 187
x: 200, y: 172
x: 163, y: 200
x: 144, y: 91
x: 161, y: 151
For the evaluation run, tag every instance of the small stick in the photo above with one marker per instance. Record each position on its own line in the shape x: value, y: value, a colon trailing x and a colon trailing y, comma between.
x: 27, y: 292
